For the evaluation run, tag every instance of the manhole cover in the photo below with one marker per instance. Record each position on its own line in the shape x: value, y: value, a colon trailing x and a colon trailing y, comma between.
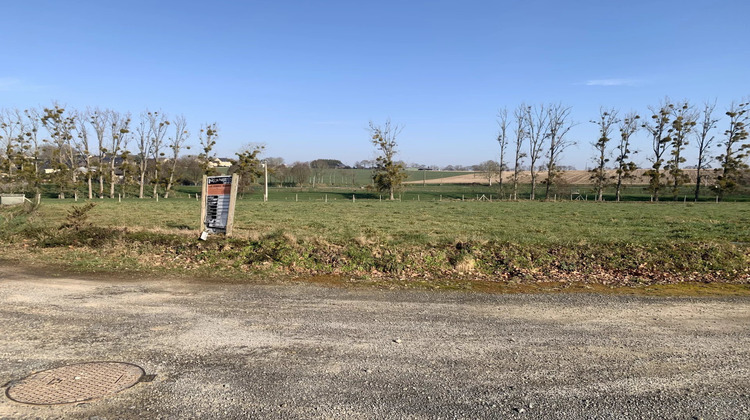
x: 74, y: 383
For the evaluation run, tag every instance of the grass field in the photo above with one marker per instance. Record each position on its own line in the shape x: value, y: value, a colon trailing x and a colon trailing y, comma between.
x: 424, y: 222
x: 528, y: 241
x: 434, y: 230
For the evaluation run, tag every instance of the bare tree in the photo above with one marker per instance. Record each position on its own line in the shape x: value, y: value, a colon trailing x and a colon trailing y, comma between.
x: 61, y: 128
x: 99, y: 120
x: 684, y: 120
x: 502, y: 139
x: 559, y: 126
x: 119, y: 135
x: 520, y: 134
x: 143, y: 144
x: 32, y: 123
x: 129, y: 170
x: 537, y: 131
x: 299, y: 172
x: 607, y: 120
x: 625, y: 167
x: 489, y: 170
x: 158, y: 125
x: 83, y: 149
x: 704, y: 141
x: 660, y: 129
x: 248, y: 166
x: 735, y: 151
x: 317, y: 170
x: 176, y: 143
x: 388, y: 174
x: 11, y: 132
x: 188, y: 170
x: 207, y: 139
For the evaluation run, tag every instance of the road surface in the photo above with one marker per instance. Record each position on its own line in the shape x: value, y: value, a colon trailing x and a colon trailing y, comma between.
x: 300, y: 351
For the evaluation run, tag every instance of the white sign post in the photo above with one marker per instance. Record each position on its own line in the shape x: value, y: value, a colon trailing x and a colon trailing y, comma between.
x: 219, y: 194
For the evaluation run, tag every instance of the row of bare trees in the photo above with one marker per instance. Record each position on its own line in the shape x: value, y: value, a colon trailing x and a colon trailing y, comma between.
x: 542, y: 132
x: 99, y: 147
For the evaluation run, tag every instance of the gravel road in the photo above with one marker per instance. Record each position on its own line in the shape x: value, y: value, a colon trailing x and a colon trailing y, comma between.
x: 299, y: 351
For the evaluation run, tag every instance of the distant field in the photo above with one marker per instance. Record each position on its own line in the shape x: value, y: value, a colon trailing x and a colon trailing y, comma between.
x: 363, y: 177
x: 341, y: 184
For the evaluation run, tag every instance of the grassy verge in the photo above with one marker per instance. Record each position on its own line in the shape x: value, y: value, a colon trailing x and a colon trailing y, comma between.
x: 418, y: 243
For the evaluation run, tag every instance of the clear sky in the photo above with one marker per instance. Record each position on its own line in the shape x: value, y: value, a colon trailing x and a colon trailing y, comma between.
x: 305, y: 77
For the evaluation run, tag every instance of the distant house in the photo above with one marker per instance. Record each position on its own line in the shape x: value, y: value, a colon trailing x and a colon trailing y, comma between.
x: 219, y: 163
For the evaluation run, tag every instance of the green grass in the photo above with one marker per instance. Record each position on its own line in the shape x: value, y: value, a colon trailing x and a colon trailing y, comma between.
x: 300, y: 232
x: 435, y: 221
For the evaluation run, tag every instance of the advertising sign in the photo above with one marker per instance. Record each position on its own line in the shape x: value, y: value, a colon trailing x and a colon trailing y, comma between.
x: 217, y: 210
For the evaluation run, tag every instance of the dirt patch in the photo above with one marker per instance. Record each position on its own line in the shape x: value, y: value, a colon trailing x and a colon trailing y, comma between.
x: 568, y: 177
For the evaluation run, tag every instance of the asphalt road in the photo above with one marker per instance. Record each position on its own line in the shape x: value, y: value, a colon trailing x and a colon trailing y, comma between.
x: 299, y: 351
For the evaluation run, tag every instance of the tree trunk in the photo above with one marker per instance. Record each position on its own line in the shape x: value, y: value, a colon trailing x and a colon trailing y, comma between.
x: 112, y: 183
x: 698, y: 182
x: 169, y: 185
x: 156, y: 181
x: 171, y: 178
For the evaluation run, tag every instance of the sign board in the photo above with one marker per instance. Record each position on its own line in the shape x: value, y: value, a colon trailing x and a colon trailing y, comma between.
x: 11, y: 199
x: 217, y: 206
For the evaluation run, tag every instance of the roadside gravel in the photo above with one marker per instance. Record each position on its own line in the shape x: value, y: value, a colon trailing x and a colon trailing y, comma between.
x: 298, y: 351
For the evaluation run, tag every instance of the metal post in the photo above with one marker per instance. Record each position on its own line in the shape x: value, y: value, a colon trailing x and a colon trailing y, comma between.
x: 232, y: 201
x: 265, y: 181
x: 204, y: 190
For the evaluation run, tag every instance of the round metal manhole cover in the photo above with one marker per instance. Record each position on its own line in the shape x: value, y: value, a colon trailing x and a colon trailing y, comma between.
x: 75, y: 383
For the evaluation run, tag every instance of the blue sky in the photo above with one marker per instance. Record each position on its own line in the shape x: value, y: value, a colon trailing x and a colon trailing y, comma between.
x: 305, y: 77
